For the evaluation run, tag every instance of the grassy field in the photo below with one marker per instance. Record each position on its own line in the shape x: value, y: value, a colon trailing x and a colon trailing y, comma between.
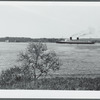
x: 76, y: 59
x: 79, y: 60
x: 80, y: 69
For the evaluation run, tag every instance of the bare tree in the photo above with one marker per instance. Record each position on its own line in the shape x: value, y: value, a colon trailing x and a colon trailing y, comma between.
x: 38, y: 61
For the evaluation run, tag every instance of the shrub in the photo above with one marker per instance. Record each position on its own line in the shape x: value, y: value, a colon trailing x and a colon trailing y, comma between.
x: 10, y: 76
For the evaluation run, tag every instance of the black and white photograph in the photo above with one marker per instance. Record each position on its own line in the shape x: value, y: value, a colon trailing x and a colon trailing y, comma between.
x: 50, y: 46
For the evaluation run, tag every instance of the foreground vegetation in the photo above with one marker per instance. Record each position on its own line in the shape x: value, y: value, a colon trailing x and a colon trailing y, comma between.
x: 13, y: 78
x: 33, y: 72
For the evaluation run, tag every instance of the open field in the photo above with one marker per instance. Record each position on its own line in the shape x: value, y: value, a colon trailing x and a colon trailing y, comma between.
x: 78, y: 60
x: 80, y: 68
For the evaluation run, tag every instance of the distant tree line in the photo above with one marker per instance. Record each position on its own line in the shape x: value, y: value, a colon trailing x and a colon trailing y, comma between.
x: 51, y: 40
x: 23, y: 39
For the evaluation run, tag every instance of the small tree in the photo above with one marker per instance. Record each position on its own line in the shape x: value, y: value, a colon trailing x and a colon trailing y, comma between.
x: 38, y: 61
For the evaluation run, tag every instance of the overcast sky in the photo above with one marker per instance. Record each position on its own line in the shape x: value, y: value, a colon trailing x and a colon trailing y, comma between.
x: 49, y: 19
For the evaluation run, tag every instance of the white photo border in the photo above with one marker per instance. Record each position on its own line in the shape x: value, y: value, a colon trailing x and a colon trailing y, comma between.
x: 51, y: 94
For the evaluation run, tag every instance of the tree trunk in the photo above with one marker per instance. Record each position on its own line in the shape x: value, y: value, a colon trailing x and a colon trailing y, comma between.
x: 35, y: 80
x: 35, y: 83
